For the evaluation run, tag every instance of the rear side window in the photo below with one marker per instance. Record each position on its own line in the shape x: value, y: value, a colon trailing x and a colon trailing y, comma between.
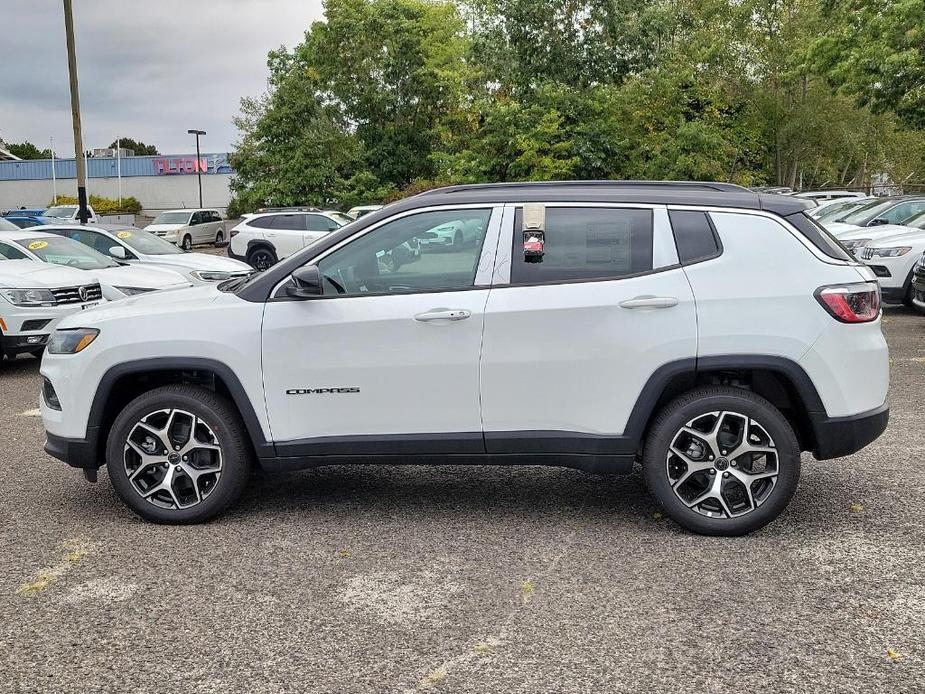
x: 586, y: 243
x: 819, y: 236
x: 295, y: 222
x: 694, y: 236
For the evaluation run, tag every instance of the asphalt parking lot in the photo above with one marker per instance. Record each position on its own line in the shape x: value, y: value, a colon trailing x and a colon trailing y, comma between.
x: 454, y: 579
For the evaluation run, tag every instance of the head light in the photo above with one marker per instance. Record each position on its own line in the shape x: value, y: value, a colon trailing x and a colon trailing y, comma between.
x: 29, y: 297
x: 889, y: 252
x: 211, y: 276
x: 71, y: 341
x: 853, y: 244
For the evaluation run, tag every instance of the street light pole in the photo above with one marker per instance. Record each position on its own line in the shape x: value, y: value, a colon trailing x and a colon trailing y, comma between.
x: 82, y: 213
x: 197, y: 133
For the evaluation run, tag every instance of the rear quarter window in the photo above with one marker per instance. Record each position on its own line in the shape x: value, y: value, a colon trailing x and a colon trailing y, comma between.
x: 694, y: 236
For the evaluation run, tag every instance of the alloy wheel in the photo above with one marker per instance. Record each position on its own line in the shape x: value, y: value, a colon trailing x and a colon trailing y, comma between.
x: 173, y: 459
x: 262, y: 260
x: 722, y: 464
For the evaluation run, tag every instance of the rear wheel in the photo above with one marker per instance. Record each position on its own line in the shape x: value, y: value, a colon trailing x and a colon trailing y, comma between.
x: 219, y: 239
x: 722, y: 461
x: 177, y: 454
x: 187, y: 242
x: 261, y: 258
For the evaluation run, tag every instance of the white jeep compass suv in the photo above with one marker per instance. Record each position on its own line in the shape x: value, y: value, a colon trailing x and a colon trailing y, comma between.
x: 706, y: 331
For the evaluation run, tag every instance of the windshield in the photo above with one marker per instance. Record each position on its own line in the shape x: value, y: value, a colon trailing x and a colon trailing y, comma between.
x: 61, y: 211
x: 340, y: 217
x: 916, y: 220
x: 172, y: 218
x: 865, y: 213
x: 61, y: 250
x: 839, y: 208
x: 145, y: 242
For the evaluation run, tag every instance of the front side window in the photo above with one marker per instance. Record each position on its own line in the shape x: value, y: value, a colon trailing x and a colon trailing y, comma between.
x: 586, y: 243
x: 900, y: 213
x: 429, y: 251
x: 318, y: 222
x: 93, y: 239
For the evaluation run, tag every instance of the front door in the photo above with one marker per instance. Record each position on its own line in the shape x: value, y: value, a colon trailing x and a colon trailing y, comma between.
x: 571, y: 339
x: 387, y: 359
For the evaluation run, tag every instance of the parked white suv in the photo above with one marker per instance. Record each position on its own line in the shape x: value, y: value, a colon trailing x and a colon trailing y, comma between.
x: 188, y: 228
x: 262, y: 240
x: 590, y: 325
x: 140, y: 247
x: 34, y: 297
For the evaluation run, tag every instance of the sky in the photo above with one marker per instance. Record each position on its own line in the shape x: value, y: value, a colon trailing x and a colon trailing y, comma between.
x: 148, y: 69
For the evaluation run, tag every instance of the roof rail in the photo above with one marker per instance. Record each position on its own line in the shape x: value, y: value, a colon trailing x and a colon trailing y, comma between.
x: 668, y: 185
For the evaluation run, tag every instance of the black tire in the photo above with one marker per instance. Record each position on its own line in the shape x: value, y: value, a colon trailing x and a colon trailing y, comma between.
x: 262, y: 258
x: 38, y: 353
x: 700, y: 403
x: 219, y: 239
x: 907, y: 295
x: 187, y: 242
x: 224, y: 421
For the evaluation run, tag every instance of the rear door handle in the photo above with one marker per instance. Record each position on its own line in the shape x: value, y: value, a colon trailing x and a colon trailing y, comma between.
x: 443, y: 314
x: 650, y: 302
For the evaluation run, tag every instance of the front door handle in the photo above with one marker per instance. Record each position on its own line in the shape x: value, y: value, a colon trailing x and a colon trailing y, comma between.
x: 650, y: 302
x: 443, y: 314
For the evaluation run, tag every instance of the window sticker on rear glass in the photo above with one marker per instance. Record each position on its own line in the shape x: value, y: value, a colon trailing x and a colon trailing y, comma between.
x: 124, y: 235
x: 609, y: 244
x: 38, y: 245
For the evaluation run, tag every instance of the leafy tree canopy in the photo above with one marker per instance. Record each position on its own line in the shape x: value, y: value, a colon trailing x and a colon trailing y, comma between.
x: 141, y: 149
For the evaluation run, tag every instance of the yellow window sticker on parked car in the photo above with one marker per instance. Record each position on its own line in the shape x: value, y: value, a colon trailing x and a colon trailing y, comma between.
x: 124, y: 235
x: 38, y: 245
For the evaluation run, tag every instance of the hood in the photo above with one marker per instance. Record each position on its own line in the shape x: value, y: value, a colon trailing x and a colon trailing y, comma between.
x: 877, y: 232
x: 142, y: 277
x: 164, y: 227
x: 199, y: 261
x: 839, y: 228
x: 915, y: 238
x: 174, y: 302
x: 34, y: 274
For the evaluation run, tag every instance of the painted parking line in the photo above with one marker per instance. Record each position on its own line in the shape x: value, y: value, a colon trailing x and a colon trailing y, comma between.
x: 31, y: 413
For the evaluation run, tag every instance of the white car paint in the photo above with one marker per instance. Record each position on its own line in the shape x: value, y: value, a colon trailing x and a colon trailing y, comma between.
x: 189, y: 226
x: 895, y: 285
x: 285, y: 232
x: 856, y: 239
x: 32, y: 274
x: 117, y: 280
x: 138, y: 247
x: 69, y: 213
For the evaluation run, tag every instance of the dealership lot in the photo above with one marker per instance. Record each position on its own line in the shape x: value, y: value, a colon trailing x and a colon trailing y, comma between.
x: 466, y: 579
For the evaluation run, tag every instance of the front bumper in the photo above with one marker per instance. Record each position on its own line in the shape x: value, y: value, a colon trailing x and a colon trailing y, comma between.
x: 79, y: 453
x: 11, y: 345
x: 840, y: 436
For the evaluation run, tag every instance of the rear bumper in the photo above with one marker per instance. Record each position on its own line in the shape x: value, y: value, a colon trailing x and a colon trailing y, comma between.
x: 841, y: 436
x: 79, y: 453
x: 235, y: 256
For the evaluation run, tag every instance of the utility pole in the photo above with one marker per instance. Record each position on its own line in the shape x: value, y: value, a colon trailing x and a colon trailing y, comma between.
x: 79, y: 158
x: 197, y: 133
x: 54, y: 179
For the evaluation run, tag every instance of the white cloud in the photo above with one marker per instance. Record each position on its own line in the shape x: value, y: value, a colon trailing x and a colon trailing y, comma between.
x: 148, y: 70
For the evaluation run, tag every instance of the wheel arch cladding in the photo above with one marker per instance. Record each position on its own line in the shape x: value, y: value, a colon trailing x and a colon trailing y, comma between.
x: 126, y: 381
x: 778, y: 379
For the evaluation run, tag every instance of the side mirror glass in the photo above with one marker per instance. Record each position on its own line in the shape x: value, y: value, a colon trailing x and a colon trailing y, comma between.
x: 878, y: 222
x: 118, y: 252
x: 306, y: 283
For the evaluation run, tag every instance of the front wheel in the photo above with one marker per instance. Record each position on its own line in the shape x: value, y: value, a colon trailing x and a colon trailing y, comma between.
x: 722, y: 461
x: 219, y: 239
x: 177, y: 454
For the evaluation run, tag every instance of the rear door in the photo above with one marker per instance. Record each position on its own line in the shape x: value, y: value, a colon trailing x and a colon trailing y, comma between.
x: 286, y: 233
x: 570, y: 341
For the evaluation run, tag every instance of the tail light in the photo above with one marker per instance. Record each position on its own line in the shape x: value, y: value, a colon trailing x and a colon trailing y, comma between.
x: 233, y: 233
x: 851, y: 303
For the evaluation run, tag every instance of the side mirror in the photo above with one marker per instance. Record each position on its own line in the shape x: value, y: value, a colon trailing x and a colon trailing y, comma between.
x: 118, y: 252
x: 306, y: 283
x: 878, y: 222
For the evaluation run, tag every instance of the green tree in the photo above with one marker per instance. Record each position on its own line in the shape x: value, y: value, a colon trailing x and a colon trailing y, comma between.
x: 140, y: 148
x: 875, y: 50
x: 27, y: 150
